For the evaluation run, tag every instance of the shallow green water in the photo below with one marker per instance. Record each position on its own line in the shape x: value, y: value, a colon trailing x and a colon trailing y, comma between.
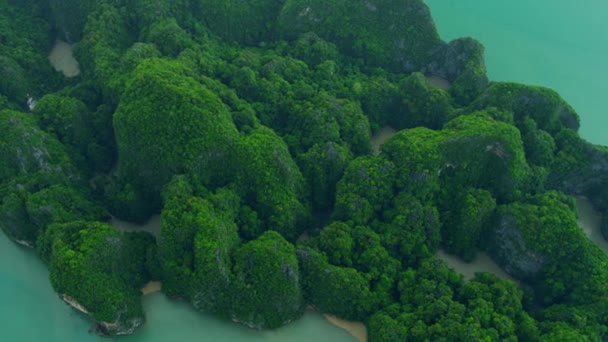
x: 561, y: 44
x: 31, y: 311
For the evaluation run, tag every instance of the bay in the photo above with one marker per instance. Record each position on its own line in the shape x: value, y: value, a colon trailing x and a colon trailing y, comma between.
x: 560, y: 44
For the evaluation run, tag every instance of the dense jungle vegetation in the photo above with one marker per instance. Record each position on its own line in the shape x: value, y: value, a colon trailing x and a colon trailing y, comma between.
x: 247, y: 126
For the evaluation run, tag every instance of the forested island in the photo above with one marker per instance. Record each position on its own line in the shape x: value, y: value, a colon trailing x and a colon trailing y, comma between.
x: 247, y: 127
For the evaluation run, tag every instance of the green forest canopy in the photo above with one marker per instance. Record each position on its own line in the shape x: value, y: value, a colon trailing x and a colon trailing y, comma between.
x: 247, y: 127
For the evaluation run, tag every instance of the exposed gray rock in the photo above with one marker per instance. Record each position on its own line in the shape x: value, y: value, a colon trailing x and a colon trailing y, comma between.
x: 452, y: 58
x: 509, y: 250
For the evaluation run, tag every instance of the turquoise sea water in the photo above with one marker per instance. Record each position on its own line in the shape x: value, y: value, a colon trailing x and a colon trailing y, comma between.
x: 561, y: 44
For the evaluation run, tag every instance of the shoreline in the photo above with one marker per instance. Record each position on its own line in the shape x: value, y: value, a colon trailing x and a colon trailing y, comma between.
x: 357, y: 329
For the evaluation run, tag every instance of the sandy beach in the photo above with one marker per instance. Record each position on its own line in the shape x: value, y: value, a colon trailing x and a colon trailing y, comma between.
x: 151, y: 287
x: 357, y: 329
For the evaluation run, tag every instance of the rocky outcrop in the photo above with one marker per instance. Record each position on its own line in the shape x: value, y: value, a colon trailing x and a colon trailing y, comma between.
x: 106, y: 328
x: 510, y: 251
x: 452, y: 58
x: 581, y: 168
x: 461, y: 62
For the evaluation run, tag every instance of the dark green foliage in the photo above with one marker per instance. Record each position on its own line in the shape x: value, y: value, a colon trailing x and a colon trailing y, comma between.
x: 14, y: 219
x: 70, y: 17
x: 336, y: 241
x: 437, y: 305
x: 374, y: 31
x: 169, y: 37
x: 422, y: 104
x: 412, y: 231
x: 580, y: 168
x: 538, y: 144
x: 75, y: 126
x: 268, y: 282
x: 380, y: 101
x: 167, y: 123
x: 360, y: 248
x: 562, y: 332
x: 540, y: 241
x: 461, y: 62
x: 466, y: 217
x: 561, y: 321
x: 483, y: 153
x: 239, y: 147
x: 137, y: 53
x: 179, y: 228
x: 271, y: 183
x: 544, y: 106
x: 67, y: 118
x: 365, y: 190
x: 247, y: 23
x: 100, y: 268
x: 382, y: 327
x: 60, y: 204
x: 202, y: 261
x: 105, y: 35
x: 328, y: 119
x: 13, y: 81
x: 323, y: 165
x: 472, y: 79
x: 504, y: 299
x: 37, y: 179
x: 25, y: 149
x: 417, y: 156
x: 352, y: 123
x: 313, y: 50
x: 216, y: 238
x: 25, y: 41
x: 339, y: 291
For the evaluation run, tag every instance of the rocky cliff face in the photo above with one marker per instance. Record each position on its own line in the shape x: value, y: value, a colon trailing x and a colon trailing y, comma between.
x: 106, y: 328
x: 461, y: 62
x: 581, y: 168
x: 510, y: 251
